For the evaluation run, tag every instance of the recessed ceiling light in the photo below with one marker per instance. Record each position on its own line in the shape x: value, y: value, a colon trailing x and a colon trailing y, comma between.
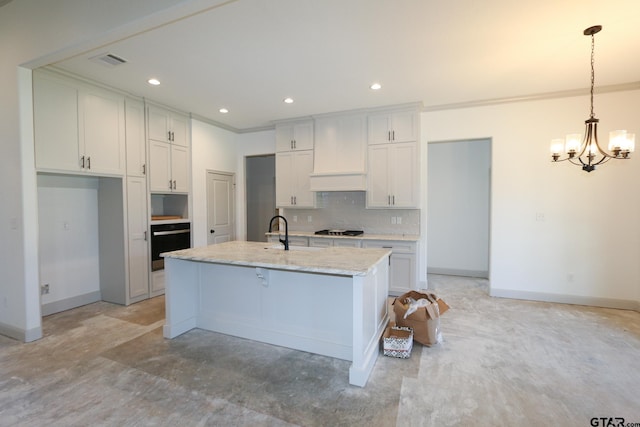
x: 375, y: 86
x: 223, y: 110
x: 288, y: 100
x: 154, y: 82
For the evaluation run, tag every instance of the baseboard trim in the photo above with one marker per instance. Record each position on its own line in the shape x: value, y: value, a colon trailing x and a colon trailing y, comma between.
x: 567, y: 299
x: 456, y: 272
x: 24, y: 335
x: 69, y: 303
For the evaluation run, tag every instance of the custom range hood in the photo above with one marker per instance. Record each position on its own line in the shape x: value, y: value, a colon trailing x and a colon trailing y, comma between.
x: 338, y: 181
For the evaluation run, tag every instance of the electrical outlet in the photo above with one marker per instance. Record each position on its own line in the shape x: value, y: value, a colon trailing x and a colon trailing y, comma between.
x: 295, y: 218
x: 540, y: 217
x: 399, y: 220
x: 309, y: 218
x: 44, y: 289
x: 393, y: 220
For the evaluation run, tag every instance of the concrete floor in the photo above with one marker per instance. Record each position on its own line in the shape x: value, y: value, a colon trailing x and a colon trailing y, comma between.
x: 501, y: 362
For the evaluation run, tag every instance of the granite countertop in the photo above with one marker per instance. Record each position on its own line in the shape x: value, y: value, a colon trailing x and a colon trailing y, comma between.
x: 365, y: 236
x: 333, y: 260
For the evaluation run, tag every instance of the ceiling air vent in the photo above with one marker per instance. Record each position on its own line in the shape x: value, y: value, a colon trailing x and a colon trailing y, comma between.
x: 108, y: 59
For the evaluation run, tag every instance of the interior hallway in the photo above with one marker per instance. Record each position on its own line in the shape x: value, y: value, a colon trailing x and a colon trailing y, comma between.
x: 501, y: 362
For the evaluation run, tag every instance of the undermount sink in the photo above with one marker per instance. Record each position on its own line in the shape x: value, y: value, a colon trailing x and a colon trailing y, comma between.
x: 295, y: 248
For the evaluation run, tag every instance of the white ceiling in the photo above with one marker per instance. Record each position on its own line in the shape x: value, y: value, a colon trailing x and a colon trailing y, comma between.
x: 248, y: 55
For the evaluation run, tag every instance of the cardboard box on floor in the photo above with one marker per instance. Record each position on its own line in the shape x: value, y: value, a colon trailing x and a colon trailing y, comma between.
x: 425, y: 321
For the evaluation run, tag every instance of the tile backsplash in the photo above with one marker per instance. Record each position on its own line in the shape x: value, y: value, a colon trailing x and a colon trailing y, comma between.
x: 346, y: 210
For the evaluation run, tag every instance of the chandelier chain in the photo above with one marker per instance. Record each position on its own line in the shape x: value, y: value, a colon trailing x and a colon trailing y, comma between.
x: 593, y: 44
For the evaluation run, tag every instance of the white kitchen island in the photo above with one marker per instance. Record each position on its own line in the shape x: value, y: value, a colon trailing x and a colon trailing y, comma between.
x: 329, y: 301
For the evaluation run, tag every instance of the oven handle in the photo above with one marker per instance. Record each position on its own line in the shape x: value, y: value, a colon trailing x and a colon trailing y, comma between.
x: 166, y: 233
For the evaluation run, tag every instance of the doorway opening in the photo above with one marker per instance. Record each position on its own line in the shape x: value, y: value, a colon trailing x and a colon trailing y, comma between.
x: 458, y: 207
x: 260, y: 195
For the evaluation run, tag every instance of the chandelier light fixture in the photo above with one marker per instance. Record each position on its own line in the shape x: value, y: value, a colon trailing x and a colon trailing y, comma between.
x: 585, y: 150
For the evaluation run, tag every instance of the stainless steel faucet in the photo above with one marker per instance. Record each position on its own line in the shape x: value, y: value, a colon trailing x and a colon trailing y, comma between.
x: 285, y: 242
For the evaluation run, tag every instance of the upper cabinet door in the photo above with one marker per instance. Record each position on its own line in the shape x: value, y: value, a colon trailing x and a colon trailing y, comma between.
x: 102, y: 132
x: 180, y: 130
x: 134, y: 134
x: 294, y: 136
x: 158, y: 123
x: 404, y: 126
x: 180, y: 168
x: 55, y: 110
x: 388, y: 127
x: 379, y: 128
x: 160, y: 167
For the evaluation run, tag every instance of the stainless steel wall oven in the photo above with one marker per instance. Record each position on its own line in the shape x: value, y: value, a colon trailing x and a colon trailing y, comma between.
x: 167, y: 238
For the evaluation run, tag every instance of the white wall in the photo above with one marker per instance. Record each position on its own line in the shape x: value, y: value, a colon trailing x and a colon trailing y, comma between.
x: 587, y: 249
x: 68, y: 236
x: 212, y: 149
x: 458, y: 209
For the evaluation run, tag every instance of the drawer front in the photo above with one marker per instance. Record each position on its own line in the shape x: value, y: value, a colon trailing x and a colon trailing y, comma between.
x: 319, y: 242
x: 348, y: 243
x: 394, y: 245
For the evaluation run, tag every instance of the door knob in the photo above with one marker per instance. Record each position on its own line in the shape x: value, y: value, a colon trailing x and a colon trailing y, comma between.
x: 212, y: 231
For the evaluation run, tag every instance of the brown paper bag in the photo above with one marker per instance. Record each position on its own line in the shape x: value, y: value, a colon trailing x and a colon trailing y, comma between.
x: 425, y: 321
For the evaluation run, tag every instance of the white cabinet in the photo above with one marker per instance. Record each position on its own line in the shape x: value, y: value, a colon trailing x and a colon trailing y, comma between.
x: 403, y: 271
x: 397, y: 126
x: 135, y: 137
x: 168, y: 126
x: 340, y: 143
x: 168, y: 154
x: 292, y: 179
x: 323, y: 242
x: 137, y: 224
x: 55, y: 110
x: 393, y: 180
x: 293, y: 136
x: 78, y: 127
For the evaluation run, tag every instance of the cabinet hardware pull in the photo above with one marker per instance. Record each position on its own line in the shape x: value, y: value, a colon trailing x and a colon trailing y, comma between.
x: 82, y: 162
x: 393, y: 199
x: 295, y: 200
x: 388, y: 200
x: 174, y: 184
x: 170, y: 185
x: 295, y: 144
x: 89, y: 162
x: 291, y: 199
x: 388, y: 135
x: 167, y: 233
x: 144, y: 233
x: 393, y: 135
x: 144, y: 169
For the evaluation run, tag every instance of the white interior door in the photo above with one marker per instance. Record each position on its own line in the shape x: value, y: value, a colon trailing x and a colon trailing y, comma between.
x: 220, y: 207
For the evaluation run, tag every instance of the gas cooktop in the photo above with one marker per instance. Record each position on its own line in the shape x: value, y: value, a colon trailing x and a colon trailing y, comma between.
x: 339, y: 232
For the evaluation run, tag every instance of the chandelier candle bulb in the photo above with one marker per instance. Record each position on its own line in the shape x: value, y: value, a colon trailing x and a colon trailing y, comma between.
x: 557, y: 146
x: 573, y: 142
